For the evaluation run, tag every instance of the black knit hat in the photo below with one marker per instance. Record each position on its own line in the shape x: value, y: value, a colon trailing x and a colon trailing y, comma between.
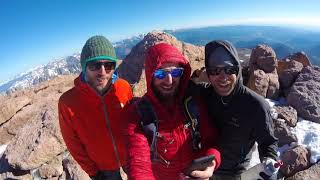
x: 97, y: 48
x: 223, y: 51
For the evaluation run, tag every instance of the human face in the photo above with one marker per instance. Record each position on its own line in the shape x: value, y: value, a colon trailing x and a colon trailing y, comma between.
x: 99, y: 78
x: 223, y: 79
x: 167, y: 87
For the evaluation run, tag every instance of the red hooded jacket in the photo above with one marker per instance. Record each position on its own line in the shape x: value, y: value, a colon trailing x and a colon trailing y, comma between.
x: 84, y: 117
x: 174, y: 147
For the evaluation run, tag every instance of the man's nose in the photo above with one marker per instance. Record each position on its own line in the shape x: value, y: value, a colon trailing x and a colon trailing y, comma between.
x: 168, y: 78
x: 102, y: 70
x: 223, y: 74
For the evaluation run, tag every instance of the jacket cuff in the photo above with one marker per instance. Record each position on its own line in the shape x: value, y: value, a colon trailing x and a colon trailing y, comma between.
x: 217, y: 155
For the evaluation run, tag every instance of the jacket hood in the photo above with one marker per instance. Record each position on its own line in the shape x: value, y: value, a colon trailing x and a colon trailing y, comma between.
x: 212, y: 46
x: 164, y: 53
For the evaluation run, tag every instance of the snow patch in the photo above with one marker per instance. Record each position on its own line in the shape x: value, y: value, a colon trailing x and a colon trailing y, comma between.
x: 306, y: 131
x: 255, y: 156
x: 308, y: 136
x: 2, y: 149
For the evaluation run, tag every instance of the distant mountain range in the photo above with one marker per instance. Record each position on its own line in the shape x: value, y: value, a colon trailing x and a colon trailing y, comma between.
x: 65, y: 66
x: 283, y: 40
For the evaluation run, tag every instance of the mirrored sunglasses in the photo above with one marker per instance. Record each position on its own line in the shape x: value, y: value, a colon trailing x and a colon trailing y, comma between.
x: 96, y: 65
x: 162, y: 73
x: 227, y: 70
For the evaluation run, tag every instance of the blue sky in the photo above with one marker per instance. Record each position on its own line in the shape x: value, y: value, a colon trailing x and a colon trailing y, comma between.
x: 34, y: 32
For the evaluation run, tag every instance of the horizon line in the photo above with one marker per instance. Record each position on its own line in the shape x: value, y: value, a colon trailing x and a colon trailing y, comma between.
x: 296, y: 25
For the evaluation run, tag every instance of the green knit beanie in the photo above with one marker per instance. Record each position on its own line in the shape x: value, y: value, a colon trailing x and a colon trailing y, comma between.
x: 97, y: 48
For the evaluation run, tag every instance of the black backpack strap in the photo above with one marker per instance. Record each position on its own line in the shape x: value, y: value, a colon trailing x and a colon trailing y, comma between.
x: 149, y: 124
x: 193, y: 121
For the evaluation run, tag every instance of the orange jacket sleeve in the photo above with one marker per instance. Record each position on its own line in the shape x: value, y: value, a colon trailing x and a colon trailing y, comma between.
x: 74, y: 145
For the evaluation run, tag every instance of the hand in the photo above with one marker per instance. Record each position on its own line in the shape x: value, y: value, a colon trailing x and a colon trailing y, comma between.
x: 205, y: 174
x: 271, y: 166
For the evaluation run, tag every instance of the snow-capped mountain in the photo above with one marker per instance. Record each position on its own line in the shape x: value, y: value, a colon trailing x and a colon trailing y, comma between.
x: 64, y: 66
x: 124, y: 46
x: 68, y: 65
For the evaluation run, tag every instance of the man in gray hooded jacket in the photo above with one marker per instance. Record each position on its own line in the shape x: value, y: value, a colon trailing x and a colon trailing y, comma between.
x: 241, y: 116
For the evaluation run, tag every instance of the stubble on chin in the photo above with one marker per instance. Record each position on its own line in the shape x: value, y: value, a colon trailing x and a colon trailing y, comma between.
x: 163, y: 97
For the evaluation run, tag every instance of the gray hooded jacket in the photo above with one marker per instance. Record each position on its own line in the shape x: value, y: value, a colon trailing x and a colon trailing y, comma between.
x: 242, y: 119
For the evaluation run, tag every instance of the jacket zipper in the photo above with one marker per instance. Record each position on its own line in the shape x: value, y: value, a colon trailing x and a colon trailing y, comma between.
x: 109, y: 128
x: 167, y: 163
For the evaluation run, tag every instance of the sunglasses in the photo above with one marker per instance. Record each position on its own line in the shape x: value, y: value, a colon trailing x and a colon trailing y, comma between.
x: 96, y: 65
x: 227, y: 70
x: 162, y: 73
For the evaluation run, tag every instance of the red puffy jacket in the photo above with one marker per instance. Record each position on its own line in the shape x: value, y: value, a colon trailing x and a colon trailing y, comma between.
x: 174, y: 145
x: 84, y: 117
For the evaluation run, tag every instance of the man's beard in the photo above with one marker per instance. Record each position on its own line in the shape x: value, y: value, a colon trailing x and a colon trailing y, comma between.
x: 163, y: 97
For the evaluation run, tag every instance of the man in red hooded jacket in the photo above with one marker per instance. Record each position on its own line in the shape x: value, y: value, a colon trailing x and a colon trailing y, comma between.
x: 167, y: 74
x: 90, y: 113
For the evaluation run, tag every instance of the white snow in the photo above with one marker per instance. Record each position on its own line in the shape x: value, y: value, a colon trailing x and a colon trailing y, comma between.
x: 42, y: 73
x: 2, y: 149
x: 255, y: 156
x: 308, y: 134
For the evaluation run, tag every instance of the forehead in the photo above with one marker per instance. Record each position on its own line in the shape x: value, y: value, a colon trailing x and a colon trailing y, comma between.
x: 169, y: 65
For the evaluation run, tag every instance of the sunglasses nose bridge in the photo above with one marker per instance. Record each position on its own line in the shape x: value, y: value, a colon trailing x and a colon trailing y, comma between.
x: 168, y: 78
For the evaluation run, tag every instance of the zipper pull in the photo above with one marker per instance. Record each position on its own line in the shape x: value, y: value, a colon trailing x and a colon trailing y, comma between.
x: 186, y: 126
x: 167, y: 163
x: 170, y: 142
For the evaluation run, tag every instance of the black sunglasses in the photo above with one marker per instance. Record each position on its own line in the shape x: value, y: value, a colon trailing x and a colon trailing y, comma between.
x: 96, y: 65
x: 227, y: 70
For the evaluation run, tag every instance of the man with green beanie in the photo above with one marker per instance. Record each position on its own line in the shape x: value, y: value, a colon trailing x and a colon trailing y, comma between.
x: 90, y: 114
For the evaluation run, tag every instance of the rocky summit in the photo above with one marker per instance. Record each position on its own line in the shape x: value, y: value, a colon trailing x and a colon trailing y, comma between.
x: 35, y: 148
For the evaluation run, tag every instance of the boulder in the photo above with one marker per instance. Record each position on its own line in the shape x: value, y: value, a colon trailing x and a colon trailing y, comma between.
x: 300, y: 57
x: 263, y: 57
x: 295, y: 160
x: 265, y: 84
x: 289, y: 73
x: 283, y: 133
x: 263, y: 78
x: 304, y: 95
x: 11, y: 176
x: 274, y: 86
x: 51, y: 169
x: 282, y: 65
x: 73, y: 170
x: 200, y: 75
x: 12, y: 127
x: 11, y: 106
x: 288, y: 113
x: 312, y: 173
x: 38, y: 142
x: 38, y: 96
x: 259, y: 82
